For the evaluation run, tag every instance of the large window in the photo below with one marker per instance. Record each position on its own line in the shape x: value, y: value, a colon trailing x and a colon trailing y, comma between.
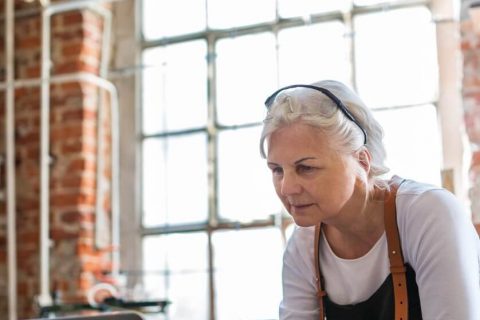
x: 213, y: 230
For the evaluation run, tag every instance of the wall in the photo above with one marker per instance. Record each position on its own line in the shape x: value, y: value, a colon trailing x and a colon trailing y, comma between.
x: 470, y: 46
x: 77, y: 263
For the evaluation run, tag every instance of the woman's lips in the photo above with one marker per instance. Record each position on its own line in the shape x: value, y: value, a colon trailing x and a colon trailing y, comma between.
x: 298, y: 207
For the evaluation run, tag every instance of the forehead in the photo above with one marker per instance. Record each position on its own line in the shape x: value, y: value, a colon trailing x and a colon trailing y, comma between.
x: 298, y: 139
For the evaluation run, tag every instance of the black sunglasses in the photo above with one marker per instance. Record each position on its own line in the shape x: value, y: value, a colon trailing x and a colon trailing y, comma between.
x: 337, y: 102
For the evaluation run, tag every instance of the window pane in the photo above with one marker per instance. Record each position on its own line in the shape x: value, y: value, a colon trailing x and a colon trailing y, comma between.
x: 175, y: 180
x: 396, y: 64
x: 245, y: 188
x: 304, y: 8
x: 248, y: 273
x: 412, y: 141
x: 176, y: 269
x: 174, y: 87
x: 173, y: 17
x: 228, y: 14
x: 246, y: 74
x: 311, y: 53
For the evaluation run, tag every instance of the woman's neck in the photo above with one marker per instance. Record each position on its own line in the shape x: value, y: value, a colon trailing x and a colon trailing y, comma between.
x: 359, y: 226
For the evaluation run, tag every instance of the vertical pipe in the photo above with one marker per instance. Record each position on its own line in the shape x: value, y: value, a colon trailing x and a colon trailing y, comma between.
x: 115, y: 150
x: 100, y: 219
x: 44, y: 297
x: 107, y: 31
x: 115, y: 227
x: 115, y: 180
x: 10, y: 154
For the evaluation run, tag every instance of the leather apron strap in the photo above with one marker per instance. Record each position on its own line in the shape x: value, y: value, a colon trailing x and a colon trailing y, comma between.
x: 318, y: 273
x: 395, y: 255
x: 397, y: 265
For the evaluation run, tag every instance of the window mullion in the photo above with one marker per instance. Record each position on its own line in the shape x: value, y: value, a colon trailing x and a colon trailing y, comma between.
x: 212, y: 166
x: 350, y: 44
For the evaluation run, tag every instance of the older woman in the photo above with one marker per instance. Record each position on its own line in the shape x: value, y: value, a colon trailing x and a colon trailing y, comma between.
x: 364, y: 247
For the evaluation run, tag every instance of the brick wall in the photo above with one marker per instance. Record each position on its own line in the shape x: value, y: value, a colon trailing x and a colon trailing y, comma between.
x: 471, y: 98
x: 77, y: 264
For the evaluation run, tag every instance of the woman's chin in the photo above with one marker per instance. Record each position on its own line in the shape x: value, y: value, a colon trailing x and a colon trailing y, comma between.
x: 302, y: 222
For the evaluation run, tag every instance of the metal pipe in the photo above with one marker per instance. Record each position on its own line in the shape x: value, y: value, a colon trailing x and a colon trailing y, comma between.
x: 100, y: 219
x: 100, y: 185
x: 44, y: 297
x: 107, y: 32
x: 115, y: 148
x: 64, y: 6
x: 10, y: 157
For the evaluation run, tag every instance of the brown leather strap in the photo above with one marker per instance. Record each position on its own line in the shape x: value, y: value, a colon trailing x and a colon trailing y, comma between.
x: 397, y: 266
x: 318, y: 273
x: 395, y: 255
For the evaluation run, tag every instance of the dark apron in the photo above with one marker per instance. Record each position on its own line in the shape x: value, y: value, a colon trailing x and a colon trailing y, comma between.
x: 380, y: 306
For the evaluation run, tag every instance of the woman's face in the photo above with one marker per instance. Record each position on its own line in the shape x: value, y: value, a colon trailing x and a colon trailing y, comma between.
x: 313, y: 181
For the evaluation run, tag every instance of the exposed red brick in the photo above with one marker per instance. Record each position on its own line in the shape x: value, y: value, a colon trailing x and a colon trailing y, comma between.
x: 66, y: 200
x: 33, y: 72
x: 61, y: 234
x: 28, y: 42
x: 70, y: 88
x: 24, y: 255
x: 70, y: 18
x: 67, y: 132
x: 76, y: 216
x: 87, y: 233
x: 79, y: 181
x: 81, y: 165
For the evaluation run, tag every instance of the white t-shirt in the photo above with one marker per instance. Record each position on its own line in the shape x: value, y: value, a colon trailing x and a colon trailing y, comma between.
x: 438, y: 240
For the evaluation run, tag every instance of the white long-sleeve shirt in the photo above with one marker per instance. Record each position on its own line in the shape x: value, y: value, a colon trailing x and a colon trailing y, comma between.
x: 438, y: 240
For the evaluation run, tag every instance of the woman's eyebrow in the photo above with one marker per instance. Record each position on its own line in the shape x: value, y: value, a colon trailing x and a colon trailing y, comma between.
x: 270, y: 163
x: 303, y: 159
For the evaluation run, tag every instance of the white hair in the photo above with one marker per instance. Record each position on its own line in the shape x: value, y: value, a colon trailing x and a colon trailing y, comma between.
x: 318, y: 110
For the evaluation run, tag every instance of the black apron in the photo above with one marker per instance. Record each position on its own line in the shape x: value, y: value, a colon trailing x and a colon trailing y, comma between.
x: 380, y: 306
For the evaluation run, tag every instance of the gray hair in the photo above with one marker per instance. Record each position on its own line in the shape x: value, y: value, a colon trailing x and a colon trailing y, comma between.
x: 316, y: 109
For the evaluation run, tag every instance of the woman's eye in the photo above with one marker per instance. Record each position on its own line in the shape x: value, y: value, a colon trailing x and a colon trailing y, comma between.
x: 304, y: 169
x: 277, y: 171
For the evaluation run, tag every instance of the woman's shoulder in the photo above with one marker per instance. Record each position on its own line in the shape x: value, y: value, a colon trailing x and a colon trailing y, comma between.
x: 416, y: 200
x: 426, y: 205
x: 412, y: 188
x: 428, y: 213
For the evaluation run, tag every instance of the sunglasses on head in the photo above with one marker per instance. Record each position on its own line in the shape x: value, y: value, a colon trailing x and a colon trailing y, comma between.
x: 332, y: 97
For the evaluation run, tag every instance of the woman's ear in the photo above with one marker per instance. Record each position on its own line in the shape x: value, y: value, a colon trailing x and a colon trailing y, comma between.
x: 364, y: 158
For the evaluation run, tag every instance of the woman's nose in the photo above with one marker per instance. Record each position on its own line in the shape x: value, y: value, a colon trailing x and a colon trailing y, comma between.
x: 290, y: 185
